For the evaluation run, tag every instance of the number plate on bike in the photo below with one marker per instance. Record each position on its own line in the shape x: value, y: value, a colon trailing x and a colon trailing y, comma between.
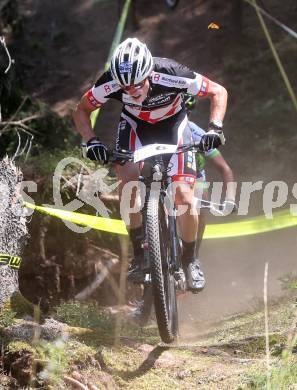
x: 153, y: 150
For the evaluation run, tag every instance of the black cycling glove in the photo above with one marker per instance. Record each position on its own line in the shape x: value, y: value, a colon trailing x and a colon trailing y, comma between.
x: 211, y: 140
x: 97, y: 151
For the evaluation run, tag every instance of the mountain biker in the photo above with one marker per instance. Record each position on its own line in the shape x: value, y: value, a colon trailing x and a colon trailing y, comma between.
x: 221, y: 165
x: 151, y: 91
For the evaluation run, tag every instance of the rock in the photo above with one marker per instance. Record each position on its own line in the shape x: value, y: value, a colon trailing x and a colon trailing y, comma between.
x: 20, y: 366
x: 25, y: 330
x: 52, y: 329
x: 183, y: 374
x: 7, y: 382
x: 107, y: 381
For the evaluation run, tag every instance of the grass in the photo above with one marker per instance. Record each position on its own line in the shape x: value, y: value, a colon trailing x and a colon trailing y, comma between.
x: 289, y: 282
x: 138, y: 361
x: 93, y: 330
x: 18, y: 345
x: 84, y: 315
x: 282, y: 375
x: 57, y: 358
x: 92, y: 325
x: 7, y: 317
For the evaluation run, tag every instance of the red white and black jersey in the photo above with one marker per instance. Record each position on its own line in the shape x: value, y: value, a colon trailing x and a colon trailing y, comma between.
x: 168, y: 82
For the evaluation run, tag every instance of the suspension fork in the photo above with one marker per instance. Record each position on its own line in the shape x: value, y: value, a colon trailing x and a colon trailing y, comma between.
x: 175, y: 261
x: 145, y: 263
x: 172, y: 232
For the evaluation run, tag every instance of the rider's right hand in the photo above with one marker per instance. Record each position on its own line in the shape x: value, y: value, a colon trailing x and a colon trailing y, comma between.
x: 96, y: 150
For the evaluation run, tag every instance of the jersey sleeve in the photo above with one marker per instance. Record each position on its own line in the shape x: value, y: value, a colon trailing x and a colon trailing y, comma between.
x: 198, y: 86
x: 169, y: 73
x: 102, y: 90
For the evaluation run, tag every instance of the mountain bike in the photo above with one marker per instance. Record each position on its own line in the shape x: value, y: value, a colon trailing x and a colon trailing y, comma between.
x: 162, y: 266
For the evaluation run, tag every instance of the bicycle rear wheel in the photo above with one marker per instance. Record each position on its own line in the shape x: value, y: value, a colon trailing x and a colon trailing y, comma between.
x: 163, y: 281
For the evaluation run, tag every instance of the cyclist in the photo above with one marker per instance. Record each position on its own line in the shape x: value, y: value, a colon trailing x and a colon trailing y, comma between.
x: 221, y: 165
x: 151, y: 91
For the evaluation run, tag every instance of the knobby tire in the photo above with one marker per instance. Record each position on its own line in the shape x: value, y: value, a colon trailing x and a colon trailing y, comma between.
x: 163, y: 281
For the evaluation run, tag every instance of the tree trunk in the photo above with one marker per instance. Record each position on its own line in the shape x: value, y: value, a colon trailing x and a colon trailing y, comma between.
x: 13, y: 232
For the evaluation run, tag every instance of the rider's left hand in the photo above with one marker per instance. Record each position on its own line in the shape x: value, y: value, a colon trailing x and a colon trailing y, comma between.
x: 212, y: 139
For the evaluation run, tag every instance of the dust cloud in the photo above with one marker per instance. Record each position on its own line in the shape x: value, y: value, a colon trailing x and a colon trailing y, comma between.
x: 234, y: 270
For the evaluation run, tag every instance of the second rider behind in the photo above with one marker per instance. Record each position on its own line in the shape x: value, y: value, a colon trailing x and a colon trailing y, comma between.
x: 151, y: 90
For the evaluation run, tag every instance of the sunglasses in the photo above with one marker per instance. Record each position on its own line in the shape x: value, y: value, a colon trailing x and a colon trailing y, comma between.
x: 132, y: 87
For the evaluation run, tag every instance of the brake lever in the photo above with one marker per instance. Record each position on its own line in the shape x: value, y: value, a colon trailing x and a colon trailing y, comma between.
x: 120, y: 155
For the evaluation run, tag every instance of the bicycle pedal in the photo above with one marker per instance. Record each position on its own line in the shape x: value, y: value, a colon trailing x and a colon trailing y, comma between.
x: 180, y: 279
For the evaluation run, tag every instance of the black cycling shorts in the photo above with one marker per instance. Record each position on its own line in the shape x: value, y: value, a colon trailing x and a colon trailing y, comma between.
x: 134, y: 133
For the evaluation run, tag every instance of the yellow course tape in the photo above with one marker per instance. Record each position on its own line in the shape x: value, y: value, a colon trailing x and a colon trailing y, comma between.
x: 105, y: 224
x: 281, y: 219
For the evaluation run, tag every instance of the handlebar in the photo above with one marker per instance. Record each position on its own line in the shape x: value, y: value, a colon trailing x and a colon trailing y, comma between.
x: 120, y: 156
x: 117, y: 156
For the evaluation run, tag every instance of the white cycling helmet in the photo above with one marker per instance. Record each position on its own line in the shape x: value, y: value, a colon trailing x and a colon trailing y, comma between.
x: 131, y: 62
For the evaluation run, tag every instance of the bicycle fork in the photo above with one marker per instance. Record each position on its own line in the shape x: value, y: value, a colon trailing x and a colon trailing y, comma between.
x: 175, y: 250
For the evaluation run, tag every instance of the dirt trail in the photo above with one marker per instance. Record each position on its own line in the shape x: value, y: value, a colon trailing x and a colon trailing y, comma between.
x: 235, y: 277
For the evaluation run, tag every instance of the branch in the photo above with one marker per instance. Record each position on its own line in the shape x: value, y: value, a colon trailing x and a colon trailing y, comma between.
x: 20, y: 123
x: 10, y: 60
x: 17, y: 111
x: 105, y: 251
x: 75, y: 383
x: 22, y: 127
x: 86, y: 292
x: 30, y: 118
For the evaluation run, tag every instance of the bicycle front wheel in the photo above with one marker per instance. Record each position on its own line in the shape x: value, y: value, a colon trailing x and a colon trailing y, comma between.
x: 163, y: 281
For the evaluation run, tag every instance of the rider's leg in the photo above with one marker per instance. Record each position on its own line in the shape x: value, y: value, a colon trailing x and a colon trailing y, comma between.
x: 187, y: 219
x: 201, y: 224
x: 187, y: 214
x: 129, y: 173
x: 188, y: 226
x: 127, y: 139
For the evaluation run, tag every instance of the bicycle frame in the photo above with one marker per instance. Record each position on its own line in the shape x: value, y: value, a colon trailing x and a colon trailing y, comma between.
x: 162, y: 252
